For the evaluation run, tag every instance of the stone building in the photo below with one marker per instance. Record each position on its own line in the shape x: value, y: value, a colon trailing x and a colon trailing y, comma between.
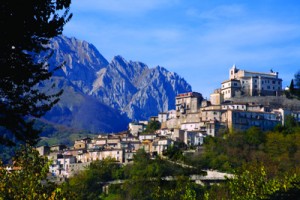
x: 188, y: 103
x: 242, y: 82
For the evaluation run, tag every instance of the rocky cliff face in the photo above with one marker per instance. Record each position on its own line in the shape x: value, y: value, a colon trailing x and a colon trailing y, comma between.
x: 82, y: 61
x: 127, y: 89
x: 137, y: 90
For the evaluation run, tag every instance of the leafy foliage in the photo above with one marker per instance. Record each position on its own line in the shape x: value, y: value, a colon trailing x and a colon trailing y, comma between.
x: 146, y: 171
x: 254, y: 181
x: 297, y: 79
x: 24, y: 36
x: 175, y: 151
x: 29, y: 179
x: 88, y: 183
x: 152, y: 127
x: 266, y: 164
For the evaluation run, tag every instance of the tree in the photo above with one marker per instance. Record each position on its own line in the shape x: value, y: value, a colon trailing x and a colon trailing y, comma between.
x: 26, y: 28
x: 253, y: 181
x: 292, y: 87
x: 29, y: 179
x: 175, y: 152
x: 88, y: 183
x: 152, y: 126
x: 297, y: 79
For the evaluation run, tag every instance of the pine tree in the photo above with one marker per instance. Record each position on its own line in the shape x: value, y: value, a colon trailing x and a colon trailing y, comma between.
x: 27, y: 26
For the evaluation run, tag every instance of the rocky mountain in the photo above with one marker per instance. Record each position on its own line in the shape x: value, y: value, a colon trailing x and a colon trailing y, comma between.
x: 83, y: 112
x: 104, y: 96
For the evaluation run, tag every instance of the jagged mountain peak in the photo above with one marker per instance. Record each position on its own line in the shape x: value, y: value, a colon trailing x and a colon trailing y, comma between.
x: 130, y: 88
x: 129, y: 69
x: 81, y: 51
x: 82, y: 61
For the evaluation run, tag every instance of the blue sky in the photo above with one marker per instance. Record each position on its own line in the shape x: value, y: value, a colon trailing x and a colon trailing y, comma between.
x: 198, y: 39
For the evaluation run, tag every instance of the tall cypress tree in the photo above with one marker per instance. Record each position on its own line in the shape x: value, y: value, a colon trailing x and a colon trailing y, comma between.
x: 27, y: 26
x: 292, y: 87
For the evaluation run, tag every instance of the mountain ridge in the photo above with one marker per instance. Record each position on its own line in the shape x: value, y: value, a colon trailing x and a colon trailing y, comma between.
x: 119, y: 89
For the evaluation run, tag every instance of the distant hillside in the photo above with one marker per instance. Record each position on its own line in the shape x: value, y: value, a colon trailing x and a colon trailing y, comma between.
x: 103, y: 97
x: 83, y: 112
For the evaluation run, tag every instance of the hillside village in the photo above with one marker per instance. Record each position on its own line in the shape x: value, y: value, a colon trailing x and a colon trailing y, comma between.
x: 246, y: 99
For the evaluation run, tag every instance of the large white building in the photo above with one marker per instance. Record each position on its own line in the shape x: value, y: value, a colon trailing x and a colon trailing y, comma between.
x: 242, y: 82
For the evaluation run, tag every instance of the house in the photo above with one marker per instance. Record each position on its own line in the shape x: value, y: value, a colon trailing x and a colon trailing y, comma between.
x: 188, y: 103
x: 154, y: 118
x: 231, y: 88
x: 162, y: 117
x: 161, y: 144
x: 60, y: 165
x: 147, y: 146
x: 136, y: 128
x: 194, y: 138
x: 43, y: 150
x: 148, y: 136
x: 100, y: 154
x: 59, y: 147
x: 82, y: 143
